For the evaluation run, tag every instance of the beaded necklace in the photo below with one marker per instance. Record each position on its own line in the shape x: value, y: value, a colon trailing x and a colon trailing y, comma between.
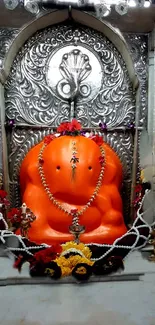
x: 51, y: 196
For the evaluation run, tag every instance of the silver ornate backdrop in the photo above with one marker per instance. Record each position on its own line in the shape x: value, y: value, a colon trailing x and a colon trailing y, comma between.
x: 45, y: 80
x: 138, y: 47
x: 7, y: 36
x: 36, y: 91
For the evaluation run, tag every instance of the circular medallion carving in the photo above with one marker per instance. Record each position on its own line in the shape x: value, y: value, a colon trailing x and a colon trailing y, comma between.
x: 74, y: 72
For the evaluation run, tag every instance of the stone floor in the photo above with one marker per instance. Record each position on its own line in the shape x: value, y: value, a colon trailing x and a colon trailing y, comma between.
x: 106, y: 303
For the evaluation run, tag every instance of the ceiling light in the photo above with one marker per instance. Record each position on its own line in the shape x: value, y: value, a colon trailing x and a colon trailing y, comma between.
x: 132, y: 3
x: 147, y: 3
x: 11, y: 4
x: 102, y: 10
x: 140, y: 3
x: 31, y: 6
x: 122, y: 8
x: 101, y: 7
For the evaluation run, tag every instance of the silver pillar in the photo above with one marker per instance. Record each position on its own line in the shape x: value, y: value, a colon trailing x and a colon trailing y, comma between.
x: 3, y: 144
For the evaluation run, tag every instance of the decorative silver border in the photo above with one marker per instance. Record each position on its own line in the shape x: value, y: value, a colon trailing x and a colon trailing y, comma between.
x: 138, y: 47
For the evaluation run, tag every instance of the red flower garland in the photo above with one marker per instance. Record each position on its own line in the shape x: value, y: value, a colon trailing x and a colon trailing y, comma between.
x: 74, y: 126
x: 3, y: 199
x: 48, y: 254
x: 14, y: 215
x: 66, y: 127
x: 49, y: 138
x: 74, y: 211
x: 3, y: 194
x: 99, y: 140
x: 101, y: 160
x: 138, y: 188
x: 138, y: 195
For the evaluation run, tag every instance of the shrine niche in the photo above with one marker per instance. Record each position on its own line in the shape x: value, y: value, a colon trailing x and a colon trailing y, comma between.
x: 72, y: 139
x: 40, y: 87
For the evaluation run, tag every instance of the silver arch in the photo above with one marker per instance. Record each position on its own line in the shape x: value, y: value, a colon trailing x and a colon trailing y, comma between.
x: 55, y: 17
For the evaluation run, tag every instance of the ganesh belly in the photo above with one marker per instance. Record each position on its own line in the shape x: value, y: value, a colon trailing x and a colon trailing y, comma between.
x: 60, y: 221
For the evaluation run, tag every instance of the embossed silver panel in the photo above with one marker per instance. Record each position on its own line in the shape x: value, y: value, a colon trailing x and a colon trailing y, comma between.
x: 20, y: 141
x: 138, y: 47
x: 6, y: 37
x: 1, y: 159
x: 30, y: 94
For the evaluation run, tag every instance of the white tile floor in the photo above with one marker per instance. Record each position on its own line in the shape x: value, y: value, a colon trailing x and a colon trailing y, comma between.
x: 119, y: 303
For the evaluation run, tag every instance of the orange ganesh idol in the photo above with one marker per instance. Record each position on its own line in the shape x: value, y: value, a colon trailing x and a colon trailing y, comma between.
x: 67, y: 174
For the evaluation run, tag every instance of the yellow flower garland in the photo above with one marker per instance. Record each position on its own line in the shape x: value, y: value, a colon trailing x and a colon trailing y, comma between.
x: 81, y: 270
x: 82, y: 254
x: 67, y: 264
x: 79, y: 247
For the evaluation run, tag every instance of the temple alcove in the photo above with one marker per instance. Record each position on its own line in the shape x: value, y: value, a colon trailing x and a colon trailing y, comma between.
x: 41, y: 82
x: 26, y: 50
x: 105, y: 102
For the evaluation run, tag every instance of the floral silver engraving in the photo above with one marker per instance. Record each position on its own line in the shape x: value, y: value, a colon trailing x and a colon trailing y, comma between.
x: 7, y: 35
x: 30, y: 96
x: 138, y: 47
x: 22, y: 140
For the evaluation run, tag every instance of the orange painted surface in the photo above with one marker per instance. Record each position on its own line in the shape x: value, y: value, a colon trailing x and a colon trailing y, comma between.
x: 103, y: 219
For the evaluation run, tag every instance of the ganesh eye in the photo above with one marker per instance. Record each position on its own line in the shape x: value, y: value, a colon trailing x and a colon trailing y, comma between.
x: 90, y: 167
x: 58, y: 167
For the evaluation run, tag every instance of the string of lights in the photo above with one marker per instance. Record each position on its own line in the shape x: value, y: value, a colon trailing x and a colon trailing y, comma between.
x: 102, y: 8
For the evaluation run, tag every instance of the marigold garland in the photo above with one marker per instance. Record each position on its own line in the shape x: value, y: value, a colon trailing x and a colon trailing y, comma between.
x: 82, y: 272
x: 68, y: 264
x: 77, y: 247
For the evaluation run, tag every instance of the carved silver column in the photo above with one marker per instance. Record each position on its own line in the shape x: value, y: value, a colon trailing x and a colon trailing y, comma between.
x: 151, y: 87
x: 3, y: 145
x: 151, y: 106
x: 1, y: 164
x: 6, y: 37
